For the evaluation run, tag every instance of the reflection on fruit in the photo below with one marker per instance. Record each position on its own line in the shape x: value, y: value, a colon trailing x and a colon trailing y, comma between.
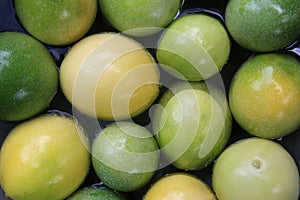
x: 109, y: 76
x: 57, y: 22
x: 265, y: 95
x: 255, y: 168
x: 263, y: 26
x: 44, y: 158
x: 28, y: 77
x: 125, y: 156
x: 194, y: 47
x: 179, y: 186
x: 192, y: 127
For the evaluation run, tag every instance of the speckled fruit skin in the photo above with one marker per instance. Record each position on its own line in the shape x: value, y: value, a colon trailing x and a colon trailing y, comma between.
x: 194, y: 47
x: 191, y: 119
x: 57, y: 22
x: 264, y: 95
x: 45, y: 158
x: 135, y: 14
x: 28, y: 77
x: 263, y: 25
x: 255, y: 168
x: 97, y: 193
x: 179, y: 186
x: 125, y: 156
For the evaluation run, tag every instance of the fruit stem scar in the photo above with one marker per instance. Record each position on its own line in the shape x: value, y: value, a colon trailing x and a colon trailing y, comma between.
x: 256, y: 163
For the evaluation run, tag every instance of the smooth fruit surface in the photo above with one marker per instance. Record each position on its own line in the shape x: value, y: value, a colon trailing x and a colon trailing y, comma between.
x: 109, y: 76
x: 57, y: 22
x: 125, y: 156
x: 263, y: 26
x: 139, y: 17
x: 97, y: 193
x: 255, y: 168
x: 28, y: 77
x: 179, y: 186
x: 192, y: 129
x: 264, y: 95
x: 44, y: 158
x: 194, y: 47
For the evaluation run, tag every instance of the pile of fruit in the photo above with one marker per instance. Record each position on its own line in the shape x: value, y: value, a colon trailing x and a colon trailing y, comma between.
x: 146, y: 99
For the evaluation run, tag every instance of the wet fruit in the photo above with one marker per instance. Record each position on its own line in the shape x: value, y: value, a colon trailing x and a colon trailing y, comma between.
x: 28, y: 77
x: 44, y: 158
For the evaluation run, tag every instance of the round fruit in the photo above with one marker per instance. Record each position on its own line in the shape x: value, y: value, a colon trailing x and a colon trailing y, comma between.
x: 28, y: 77
x: 121, y: 76
x: 125, y: 156
x: 139, y: 17
x: 44, y: 158
x: 94, y: 193
x: 192, y: 130
x: 263, y: 26
x: 194, y: 47
x: 180, y: 186
x: 57, y: 22
x: 264, y: 95
x: 255, y: 168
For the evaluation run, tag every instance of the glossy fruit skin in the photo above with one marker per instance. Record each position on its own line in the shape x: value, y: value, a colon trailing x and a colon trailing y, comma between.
x: 192, y: 130
x: 121, y: 76
x: 57, y: 22
x: 264, y: 95
x: 179, y: 186
x: 255, y: 168
x: 44, y: 158
x: 28, y: 77
x: 125, y: 156
x: 263, y: 26
x: 131, y: 15
x: 194, y: 47
x: 97, y: 193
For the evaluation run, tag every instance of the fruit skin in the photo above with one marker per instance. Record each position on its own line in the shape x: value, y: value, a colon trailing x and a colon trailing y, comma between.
x: 28, y: 77
x: 44, y: 158
x: 125, y: 156
x: 264, y: 95
x: 194, y: 47
x: 255, y: 168
x: 97, y: 193
x: 263, y: 26
x: 193, y: 128
x: 138, y: 17
x: 57, y: 22
x: 179, y: 186
x: 122, y: 77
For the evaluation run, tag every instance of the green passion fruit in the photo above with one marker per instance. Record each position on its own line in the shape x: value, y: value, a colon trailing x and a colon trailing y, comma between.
x: 57, y: 22
x: 192, y: 128
x: 28, y: 77
x: 255, y: 168
x: 263, y: 26
x: 139, y: 17
x: 97, y: 193
x: 194, y: 47
x: 125, y: 156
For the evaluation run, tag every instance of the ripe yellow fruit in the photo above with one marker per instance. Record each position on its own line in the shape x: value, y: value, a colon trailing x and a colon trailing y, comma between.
x: 109, y: 76
x: 179, y: 186
x: 44, y: 158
